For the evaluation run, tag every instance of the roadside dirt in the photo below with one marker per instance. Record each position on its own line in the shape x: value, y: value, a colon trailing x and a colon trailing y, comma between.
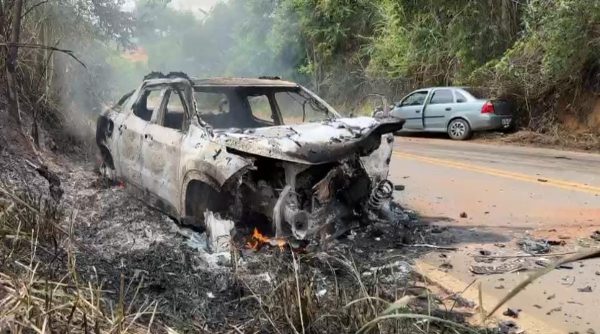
x: 564, y: 140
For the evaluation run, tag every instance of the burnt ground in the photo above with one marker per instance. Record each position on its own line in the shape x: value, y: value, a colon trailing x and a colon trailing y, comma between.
x: 141, y: 256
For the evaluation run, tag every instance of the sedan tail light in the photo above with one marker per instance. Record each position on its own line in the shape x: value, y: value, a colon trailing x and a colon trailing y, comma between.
x: 488, y: 108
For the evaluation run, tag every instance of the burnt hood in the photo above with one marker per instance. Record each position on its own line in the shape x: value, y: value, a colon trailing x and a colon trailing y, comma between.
x: 310, y: 143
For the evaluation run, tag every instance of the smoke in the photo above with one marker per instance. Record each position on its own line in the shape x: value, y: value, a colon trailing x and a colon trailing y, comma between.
x: 232, y: 38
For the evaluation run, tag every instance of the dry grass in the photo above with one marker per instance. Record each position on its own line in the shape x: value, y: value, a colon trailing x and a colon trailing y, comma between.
x: 301, y: 301
x: 40, y: 290
x: 555, y: 138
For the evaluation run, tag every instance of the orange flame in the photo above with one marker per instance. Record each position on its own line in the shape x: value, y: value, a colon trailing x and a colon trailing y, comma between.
x: 258, y: 239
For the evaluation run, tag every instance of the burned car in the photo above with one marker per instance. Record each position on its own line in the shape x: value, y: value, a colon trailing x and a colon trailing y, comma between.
x: 257, y: 151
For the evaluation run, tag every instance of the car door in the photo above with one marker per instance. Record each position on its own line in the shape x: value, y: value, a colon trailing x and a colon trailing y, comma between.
x: 411, y: 110
x: 161, y: 150
x: 438, y: 109
x: 131, y: 132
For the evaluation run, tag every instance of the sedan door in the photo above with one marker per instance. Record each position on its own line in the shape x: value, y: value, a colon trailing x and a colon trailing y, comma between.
x: 411, y: 110
x: 439, y: 109
x: 131, y: 132
x: 162, y: 151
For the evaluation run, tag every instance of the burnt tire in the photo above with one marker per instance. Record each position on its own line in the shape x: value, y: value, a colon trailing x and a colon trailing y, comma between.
x: 459, y: 129
x: 201, y: 197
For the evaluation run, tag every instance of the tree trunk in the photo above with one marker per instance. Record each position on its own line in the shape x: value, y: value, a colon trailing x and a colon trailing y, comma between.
x: 11, y: 63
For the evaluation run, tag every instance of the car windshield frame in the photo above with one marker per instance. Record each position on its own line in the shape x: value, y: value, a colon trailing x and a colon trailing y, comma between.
x: 243, y: 92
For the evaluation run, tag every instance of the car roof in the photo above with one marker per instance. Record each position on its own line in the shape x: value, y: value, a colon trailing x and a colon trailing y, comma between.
x: 442, y: 87
x: 243, y: 82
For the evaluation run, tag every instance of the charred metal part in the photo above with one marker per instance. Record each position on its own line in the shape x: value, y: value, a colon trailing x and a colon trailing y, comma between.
x: 296, y: 180
x: 381, y: 193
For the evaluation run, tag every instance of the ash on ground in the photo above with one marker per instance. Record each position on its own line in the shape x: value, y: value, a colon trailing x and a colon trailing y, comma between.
x: 117, y: 239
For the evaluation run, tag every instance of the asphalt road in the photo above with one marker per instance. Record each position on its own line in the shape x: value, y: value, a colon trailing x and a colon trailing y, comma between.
x: 509, y: 193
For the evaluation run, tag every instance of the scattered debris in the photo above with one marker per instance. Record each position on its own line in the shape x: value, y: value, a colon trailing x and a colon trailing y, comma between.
x: 512, y: 312
x: 430, y: 246
x: 446, y: 266
x: 463, y: 215
x: 534, y: 247
x: 537, y: 306
x: 499, y: 287
x: 596, y: 235
x: 556, y: 309
x: 509, y: 327
x: 585, y: 289
x: 552, y: 296
x: 542, y: 180
x: 219, y: 232
x: 438, y: 229
x: 510, y: 267
x: 543, y: 262
x: 556, y: 242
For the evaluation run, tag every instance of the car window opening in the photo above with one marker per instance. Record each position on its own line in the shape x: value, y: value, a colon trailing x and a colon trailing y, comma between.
x: 148, y: 104
x: 174, y: 110
x: 256, y: 107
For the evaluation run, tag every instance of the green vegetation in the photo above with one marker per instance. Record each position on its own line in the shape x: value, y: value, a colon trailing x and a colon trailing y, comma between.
x: 541, y: 54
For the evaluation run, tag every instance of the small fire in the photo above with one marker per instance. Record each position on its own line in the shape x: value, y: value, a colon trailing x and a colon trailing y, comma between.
x: 259, y: 239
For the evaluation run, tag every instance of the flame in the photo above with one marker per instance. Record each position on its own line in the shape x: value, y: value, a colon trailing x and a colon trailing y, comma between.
x: 259, y: 239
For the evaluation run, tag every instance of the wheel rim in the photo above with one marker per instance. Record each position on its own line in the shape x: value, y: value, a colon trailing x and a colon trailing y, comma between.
x: 457, y: 129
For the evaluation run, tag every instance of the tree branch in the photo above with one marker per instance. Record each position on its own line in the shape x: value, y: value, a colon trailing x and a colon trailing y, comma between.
x: 46, y: 47
x: 33, y: 7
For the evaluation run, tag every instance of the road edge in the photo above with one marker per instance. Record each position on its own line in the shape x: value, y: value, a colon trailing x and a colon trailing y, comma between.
x: 453, y: 285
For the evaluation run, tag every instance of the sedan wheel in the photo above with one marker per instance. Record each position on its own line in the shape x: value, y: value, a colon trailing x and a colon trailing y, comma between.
x: 459, y: 129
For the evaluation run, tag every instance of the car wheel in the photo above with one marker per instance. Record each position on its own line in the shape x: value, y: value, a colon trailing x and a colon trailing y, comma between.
x: 459, y: 129
x: 201, y: 197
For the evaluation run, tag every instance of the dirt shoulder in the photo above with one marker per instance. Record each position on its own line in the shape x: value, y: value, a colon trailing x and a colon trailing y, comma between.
x: 561, y: 140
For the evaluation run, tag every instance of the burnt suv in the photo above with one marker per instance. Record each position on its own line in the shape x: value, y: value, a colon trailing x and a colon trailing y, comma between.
x: 251, y: 150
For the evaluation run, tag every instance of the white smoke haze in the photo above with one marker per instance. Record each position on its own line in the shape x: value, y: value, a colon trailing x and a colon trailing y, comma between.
x: 202, y: 38
x: 197, y: 7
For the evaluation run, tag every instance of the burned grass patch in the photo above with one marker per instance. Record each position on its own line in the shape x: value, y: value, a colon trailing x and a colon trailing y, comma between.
x: 100, y: 261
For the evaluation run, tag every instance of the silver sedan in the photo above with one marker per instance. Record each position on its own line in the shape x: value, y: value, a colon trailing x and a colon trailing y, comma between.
x: 459, y: 111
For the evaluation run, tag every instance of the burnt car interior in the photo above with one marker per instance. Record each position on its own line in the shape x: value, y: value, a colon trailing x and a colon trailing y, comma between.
x: 256, y: 107
x: 174, y: 116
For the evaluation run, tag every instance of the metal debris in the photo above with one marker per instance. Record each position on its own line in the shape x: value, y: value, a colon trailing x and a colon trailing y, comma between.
x: 512, y: 312
x: 219, y: 232
x: 534, y: 247
x: 509, y: 267
x: 585, y: 289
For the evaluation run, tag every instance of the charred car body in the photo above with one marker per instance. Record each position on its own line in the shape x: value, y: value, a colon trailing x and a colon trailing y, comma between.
x: 252, y: 150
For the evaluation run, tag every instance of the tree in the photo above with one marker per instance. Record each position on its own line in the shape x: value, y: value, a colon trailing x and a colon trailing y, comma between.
x: 10, y: 62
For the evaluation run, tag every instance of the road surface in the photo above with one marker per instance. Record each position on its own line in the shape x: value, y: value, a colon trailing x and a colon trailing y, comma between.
x: 509, y: 193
